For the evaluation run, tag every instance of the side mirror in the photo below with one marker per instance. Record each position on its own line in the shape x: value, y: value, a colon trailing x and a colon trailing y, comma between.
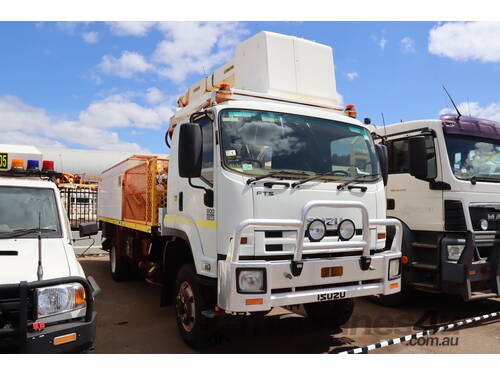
x: 88, y: 229
x: 418, y: 159
x: 383, y: 158
x: 190, y: 150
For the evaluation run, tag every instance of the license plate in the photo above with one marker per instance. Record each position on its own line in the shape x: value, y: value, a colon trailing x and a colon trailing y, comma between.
x: 4, y: 160
x: 331, y: 296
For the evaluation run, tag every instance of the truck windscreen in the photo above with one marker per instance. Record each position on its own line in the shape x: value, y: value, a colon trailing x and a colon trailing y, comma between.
x: 258, y: 142
x: 26, y: 208
x: 474, y: 157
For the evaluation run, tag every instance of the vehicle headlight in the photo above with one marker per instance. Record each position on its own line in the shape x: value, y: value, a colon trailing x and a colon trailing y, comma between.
x: 59, y: 298
x: 394, y: 268
x: 251, y: 280
x: 316, y: 230
x: 484, y: 224
x: 454, y: 251
x: 346, y: 230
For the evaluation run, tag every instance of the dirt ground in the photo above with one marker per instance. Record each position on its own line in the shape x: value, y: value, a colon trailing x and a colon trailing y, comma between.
x: 130, y: 320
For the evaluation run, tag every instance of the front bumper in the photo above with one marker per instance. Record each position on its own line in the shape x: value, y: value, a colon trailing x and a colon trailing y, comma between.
x: 283, y: 289
x: 298, y: 281
x: 17, y: 315
x: 472, y: 276
x: 45, y: 342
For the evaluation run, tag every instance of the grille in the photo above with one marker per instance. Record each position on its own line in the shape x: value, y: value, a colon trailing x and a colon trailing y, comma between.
x: 10, y: 307
x: 276, y: 234
x: 454, y: 218
x: 489, y: 213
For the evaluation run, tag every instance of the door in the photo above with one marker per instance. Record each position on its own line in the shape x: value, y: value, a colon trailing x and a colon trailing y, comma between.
x: 414, y: 202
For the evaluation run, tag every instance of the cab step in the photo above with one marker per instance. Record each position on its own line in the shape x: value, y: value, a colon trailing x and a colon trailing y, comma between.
x: 426, y: 287
x: 424, y: 266
x: 481, y: 295
x: 424, y: 245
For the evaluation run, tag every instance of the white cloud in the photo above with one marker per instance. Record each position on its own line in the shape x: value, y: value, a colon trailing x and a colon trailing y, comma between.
x: 130, y: 28
x: 352, y: 75
x: 67, y: 26
x: 466, y: 41
x: 118, y: 112
x: 93, y: 128
x: 408, y: 45
x: 195, y: 47
x: 124, y: 66
x: 490, y: 112
x: 90, y: 37
x: 186, y: 48
x: 381, y: 41
x: 154, y: 95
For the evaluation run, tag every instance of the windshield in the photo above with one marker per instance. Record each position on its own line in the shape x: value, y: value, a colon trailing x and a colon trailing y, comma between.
x: 257, y: 143
x: 20, y: 208
x: 474, y: 157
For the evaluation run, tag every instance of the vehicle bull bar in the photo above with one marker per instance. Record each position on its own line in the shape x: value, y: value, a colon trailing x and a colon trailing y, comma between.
x: 335, y: 247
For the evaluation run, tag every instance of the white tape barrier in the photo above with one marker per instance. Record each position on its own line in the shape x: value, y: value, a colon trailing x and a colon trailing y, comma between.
x: 381, y: 344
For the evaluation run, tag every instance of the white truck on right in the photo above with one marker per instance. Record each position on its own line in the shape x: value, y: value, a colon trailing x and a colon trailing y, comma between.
x: 444, y: 186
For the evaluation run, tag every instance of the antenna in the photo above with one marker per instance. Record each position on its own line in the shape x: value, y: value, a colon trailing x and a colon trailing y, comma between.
x: 452, y: 102
x: 468, y: 106
x: 385, y: 129
x: 39, y: 272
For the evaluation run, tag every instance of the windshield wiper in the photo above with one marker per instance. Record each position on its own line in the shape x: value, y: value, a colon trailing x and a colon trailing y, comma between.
x: 474, y: 179
x: 23, y: 231
x: 358, y: 178
x: 274, y: 173
x: 316, y: 176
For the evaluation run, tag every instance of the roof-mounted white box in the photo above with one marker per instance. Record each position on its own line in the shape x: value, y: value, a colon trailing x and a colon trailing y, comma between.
x: 286, y: 66
x: 276, y: 65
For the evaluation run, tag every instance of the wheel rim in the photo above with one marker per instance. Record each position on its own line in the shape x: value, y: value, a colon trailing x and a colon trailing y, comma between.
x: 185, y: 306
x: 112, y: 258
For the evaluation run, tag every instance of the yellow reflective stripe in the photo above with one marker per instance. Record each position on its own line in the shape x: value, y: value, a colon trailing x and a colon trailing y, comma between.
x: 210, y: 224
x: 127, y: 224
x: 177, y: 219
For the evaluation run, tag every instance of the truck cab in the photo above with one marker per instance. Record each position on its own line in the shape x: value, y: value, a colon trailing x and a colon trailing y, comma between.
x: 443, y: 184
x: 46, y: 302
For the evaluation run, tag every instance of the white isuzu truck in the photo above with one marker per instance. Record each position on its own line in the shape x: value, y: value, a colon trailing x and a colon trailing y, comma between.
x: 273, y: 195
x: 46, y: 302
x: 444, y: 186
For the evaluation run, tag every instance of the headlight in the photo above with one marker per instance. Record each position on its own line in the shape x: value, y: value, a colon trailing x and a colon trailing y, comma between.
x: 346, y: 230
x: 59, y: 298
x: 394, y: 268
x: 251, y: 280
x: 454, y: 251
x: 484, y: 224
x: 316, y: 230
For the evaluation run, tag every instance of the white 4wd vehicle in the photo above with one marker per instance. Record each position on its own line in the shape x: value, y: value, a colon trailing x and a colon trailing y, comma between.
x: 46, y: 303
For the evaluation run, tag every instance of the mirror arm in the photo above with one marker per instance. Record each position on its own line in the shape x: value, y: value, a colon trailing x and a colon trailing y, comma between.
x: 198, y: 187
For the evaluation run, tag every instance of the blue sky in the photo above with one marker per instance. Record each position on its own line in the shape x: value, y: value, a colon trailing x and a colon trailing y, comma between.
x: 114, y: 85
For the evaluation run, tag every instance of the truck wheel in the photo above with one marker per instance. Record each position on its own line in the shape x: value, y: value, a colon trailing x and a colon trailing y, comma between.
x: 335, y: 313
x: 189, y: 303
x: 118, y: 264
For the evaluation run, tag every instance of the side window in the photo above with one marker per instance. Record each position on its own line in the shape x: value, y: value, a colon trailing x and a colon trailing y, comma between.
x: 207, y: 163
x: 431, y: 156
x: 400, y: 158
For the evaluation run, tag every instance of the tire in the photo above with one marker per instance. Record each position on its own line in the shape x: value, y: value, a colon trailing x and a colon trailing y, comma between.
x: 119, y: 265
x: 189, y: 303
x: 334, y: 313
